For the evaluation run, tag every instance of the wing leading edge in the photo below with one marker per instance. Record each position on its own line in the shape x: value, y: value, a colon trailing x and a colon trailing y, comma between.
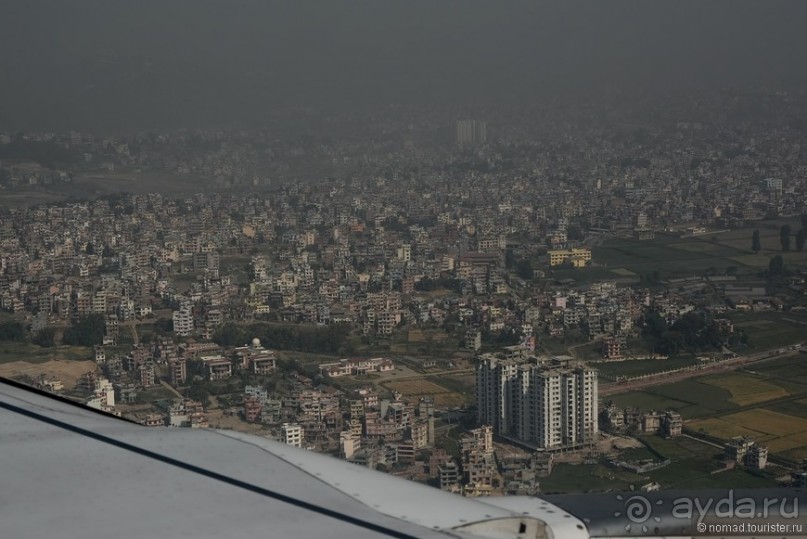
x: 71, y: 472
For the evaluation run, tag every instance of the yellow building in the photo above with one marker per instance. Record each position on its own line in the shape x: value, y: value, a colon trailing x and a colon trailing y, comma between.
x: 578, y: 257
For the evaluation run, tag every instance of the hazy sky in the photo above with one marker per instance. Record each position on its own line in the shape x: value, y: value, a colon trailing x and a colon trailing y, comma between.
x: 125, y: 64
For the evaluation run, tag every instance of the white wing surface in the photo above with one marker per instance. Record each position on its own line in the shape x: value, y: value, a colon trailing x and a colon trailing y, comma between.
x: 70, y: 472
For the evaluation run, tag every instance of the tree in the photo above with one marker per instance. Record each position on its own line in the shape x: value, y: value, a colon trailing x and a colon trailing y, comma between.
x: 776, y: 266
x: 801, y: 236
x: 86, y: 331
x: 784, y: 237
x: 199, y: 391
x: 12, y: 331
x: 524, y: 270
x: 509, y: 259
x: 45, y: 337
x: 756, y: 244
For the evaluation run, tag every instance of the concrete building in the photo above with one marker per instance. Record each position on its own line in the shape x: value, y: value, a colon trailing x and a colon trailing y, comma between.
x: 478, y: 462
x: 473, y: 339
x: 577, y: 257
x: 736, y: 448
x: 757, y: 457
x: 256, y: 358
x: 611, y: 348
x: 349, y: 444
x: 177, y: 371
x: 187, y: 413
x: 470, y: 132
x: 547, y: 403
x: 612, y: 418
x: 671, y: 424
x: 345, y: 367
x: 217, y: 367
x: 449, y: 476
x: 183, y: 321
x: 293, y: 434
x: 651, y: 422
x: 252, y: 409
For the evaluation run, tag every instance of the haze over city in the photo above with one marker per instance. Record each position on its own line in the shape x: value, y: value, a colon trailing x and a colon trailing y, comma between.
x: 502, y: 249
x: 120, y: 65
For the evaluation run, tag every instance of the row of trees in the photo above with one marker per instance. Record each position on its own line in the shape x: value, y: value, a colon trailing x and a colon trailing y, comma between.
x: 12, y: 331
x: 331, y: 339
x: 692, y: 333
x: 785, y: 235
x: 86, y: 331
x: 801, y: 236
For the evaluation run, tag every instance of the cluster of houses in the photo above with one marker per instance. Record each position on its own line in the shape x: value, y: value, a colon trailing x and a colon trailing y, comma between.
x: 667, y: 424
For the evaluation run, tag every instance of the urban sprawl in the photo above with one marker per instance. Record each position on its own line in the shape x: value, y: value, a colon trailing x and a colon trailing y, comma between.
x: 464, y: 302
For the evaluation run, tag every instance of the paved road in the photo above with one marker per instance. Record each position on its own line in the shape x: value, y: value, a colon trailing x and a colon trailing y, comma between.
x: 170, y: 388
x: 451, y: 372
x: 132, y: 325
x: 724, y: 366
x: 705, y: 442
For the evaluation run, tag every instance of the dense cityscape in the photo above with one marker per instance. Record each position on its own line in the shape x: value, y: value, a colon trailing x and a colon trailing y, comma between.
x: 362, y: 270
x: 468, y: 301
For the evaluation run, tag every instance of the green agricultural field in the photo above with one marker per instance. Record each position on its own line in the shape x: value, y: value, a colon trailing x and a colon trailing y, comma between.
x: 155, y: 394
x: 646, y: 401
x: 592, y: 273
x: 461, y: 383
x: 692, y: 465
x: 703, y: 395
x: 770, y: 329
x: 791, y: 443
x: 690, y: 398
x: 797, y: 408
x: 766, y: 401
x: 700, y: 246
x: 671, y: 256
x: 781, y: 334
x: 591, y: 351
x: 684, y: 258
x: 588, y: 478
x: 636, y: 454
x: 725, y: 429
x: 782, y: 433
x: 797, y: 454
x: 768, y: 422
x: 740, y: 239
x: 746, y: 388
x: 736, y: 478
x: 679, y: 448
x: 759, y: 261
x: 791, y: 369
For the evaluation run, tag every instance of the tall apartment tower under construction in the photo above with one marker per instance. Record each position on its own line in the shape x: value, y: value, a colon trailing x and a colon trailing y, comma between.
x: 548, y: 403
x: 471, y: 133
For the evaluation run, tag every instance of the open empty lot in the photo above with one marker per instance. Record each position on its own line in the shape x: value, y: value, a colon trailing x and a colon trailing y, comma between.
x: 65, y: 370
x: 422, y: 387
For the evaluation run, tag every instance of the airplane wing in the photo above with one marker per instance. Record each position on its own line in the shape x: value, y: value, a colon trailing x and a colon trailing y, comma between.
x: 69, y: 471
